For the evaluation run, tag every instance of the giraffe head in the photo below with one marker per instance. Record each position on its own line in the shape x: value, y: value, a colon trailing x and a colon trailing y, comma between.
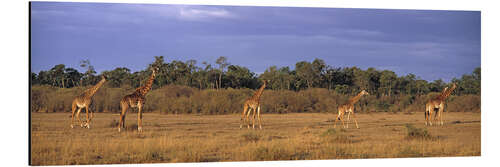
x: 104, y: 77
x: 266, y: 81
x: 364, y: 92
x: 155, y: 70
x: 446, y: 88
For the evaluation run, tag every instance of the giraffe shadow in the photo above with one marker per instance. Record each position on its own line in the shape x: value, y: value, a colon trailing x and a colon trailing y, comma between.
x: 464, y: 122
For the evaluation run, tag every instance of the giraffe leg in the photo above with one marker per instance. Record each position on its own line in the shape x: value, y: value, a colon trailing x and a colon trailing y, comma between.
x: 245, y: 108
x: 78, y: 116
x: 88, y: 120
x: 253, y: 118
x: 348, y: 118
x: 260, y: 118
x: 73, y: 109
x: 440, y: 115
x: 123, y: 122
x: 122, y: 116
x: 354, y: 118
x: 338, y: 118
x: 431, y: 110
x: 436, y: 115
x: 139, y: 118
x: 425, y: 114
x: 342, y: 120
x: 247, y: 117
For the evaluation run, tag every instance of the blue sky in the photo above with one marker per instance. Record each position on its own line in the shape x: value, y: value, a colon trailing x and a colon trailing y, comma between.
x: 431, y: 44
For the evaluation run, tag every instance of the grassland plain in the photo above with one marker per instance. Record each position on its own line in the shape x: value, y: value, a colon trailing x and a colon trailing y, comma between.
x: 208, y: 138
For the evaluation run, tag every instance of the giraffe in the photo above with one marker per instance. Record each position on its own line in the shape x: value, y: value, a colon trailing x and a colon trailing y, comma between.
x: 349, y: 108
x: 83, y: 101
x: 253, y: 104
x: 437, y: 103
x: 136, y: 100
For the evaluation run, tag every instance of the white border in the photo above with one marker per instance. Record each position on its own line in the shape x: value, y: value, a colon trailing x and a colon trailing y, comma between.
x: 14, y: 73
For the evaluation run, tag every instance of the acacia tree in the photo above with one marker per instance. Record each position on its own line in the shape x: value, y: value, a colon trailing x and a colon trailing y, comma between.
x: 57, y: 75
x: 88, y: 78
x: 191, y: 68
x: 209, y: 73
x: 72, y: 77
x: 222, y: 62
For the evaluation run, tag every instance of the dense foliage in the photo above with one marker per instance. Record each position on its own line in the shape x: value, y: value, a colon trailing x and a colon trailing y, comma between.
x: 315, y: 74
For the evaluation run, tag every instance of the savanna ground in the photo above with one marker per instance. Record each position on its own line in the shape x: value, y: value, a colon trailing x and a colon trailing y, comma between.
x: 207, y: 138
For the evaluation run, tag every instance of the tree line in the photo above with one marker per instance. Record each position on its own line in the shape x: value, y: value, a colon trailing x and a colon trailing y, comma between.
x: 222, y: 75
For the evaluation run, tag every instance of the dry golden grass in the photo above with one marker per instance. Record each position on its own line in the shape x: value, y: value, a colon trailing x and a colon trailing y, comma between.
x: 195, y: 138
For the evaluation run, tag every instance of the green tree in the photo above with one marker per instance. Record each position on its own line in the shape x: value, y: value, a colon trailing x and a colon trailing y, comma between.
x: 387, y: 82
x: 272, y: 74
x: 305, y: 74
x: 422, y: 87
x: 436, y: 85
x: 318, y: 72
x: 361, y: 79
x: 34, y: 79
x: 162, y: 73
x: 57, y: 75
x: 469, y: 84
x: 118, y: 77
x: 72, y: 76
x: 373, y: 77
x: 240, y: 77
x: 88, y: 77
x: 222, y: 62
x: 286, y: 78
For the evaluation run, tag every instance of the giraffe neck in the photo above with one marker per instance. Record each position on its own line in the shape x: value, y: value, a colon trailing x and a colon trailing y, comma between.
x: 257, y: 94
x: 446, y: 93
x: 356, y: 98
x: 91, y: 91
x: 145, y: 89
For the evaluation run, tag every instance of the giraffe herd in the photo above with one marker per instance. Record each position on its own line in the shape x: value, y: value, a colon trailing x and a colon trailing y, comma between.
x: 251, y: 105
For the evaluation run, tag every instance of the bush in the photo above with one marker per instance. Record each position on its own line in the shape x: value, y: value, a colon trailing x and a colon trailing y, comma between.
x: 417, y: 133
x: 251, y: 137
x: 175, y: 99
x: 465, y: 103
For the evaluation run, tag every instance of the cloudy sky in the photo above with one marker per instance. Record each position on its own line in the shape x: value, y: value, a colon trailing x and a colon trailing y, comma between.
x: 431, y: 44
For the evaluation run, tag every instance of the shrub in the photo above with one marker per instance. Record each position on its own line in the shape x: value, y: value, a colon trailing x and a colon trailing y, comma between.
x: 177, y: 99
x: 417, y: 133
x: 251, y: 137
x: 329, y: 132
